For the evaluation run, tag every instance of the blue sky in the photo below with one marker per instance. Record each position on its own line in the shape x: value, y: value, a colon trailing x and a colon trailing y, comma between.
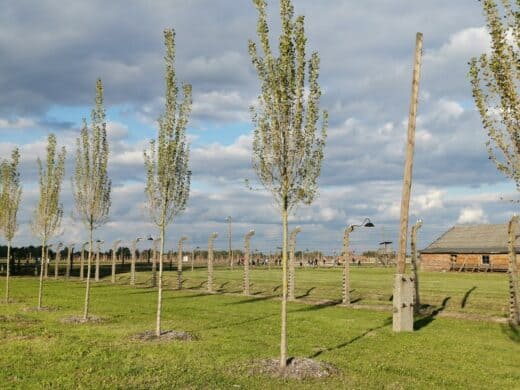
x: 50, y: 57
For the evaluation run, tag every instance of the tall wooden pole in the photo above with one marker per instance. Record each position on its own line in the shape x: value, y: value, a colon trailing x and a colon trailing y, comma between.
x: 415, y: 270
x: 403, y: 285
x: 408, y: 168
x: 247, y: 240
x: 346, y: 264
x: 514, y: 312
x: 114, y: 258
x: 179, y: 262
x: 212, y: 238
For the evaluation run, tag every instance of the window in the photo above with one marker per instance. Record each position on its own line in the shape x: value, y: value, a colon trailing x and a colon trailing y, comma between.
x: 485, y: 259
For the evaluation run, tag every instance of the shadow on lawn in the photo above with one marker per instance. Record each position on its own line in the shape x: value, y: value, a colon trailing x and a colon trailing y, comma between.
x: 466, y: 296
x: 428, y: 318
x: 198, y: 286
x: 221, y: 287
x: 511, y: 331
x: 386, y: 323
x: 321, y: 305
x: 252, y: 300
x: 306, y: 293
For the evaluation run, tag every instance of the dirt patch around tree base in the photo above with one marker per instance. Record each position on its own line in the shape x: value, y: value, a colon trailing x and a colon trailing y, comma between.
x: 297, y: 368
x: 167, y: 335
x: 81, y: 320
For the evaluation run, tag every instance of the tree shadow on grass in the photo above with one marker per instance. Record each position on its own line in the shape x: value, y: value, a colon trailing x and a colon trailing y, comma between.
x: 512, y: 331
x: 198, y: 286
x: 466, y: 296
x: 306, y: 293
x: 320, y: 306
x: 187, y: 296
x: 221, y: 287
x: 277, y: 287
x: 386, y: 323
x: 252, y: 300
x: 428, y: 318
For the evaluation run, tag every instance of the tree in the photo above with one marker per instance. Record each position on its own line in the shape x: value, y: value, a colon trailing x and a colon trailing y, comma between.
x: 10, y: 196
x: 495, y: 80
x: 48, y: 214
x: 90, y: 183
x: 287, y: 149
x: 166, y: 161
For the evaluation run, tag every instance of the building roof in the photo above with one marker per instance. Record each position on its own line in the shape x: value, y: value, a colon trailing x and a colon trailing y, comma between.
x: 473, y: 239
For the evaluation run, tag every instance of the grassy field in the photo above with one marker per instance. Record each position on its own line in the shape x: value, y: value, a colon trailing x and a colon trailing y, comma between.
x: 39, y: 351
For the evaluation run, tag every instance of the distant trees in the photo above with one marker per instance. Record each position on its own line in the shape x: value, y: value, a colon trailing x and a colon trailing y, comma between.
x: 166, y: 161
x: 10, y: 196
x: 287, y: 149
x: 495, y: 80
x: 90, y: 183
x: 48, y: 214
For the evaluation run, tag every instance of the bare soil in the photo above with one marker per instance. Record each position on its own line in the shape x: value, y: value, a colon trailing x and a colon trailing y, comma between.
x: 81, y: 320
x: 167, y: 335
x: 297, y: 368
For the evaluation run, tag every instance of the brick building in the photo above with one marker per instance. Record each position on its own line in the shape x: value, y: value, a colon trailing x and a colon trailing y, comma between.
x: 469, y: 248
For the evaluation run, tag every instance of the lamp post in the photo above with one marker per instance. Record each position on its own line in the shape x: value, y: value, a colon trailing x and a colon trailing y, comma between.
x: 132, y: 263
x: 114, y: 258
x: 99, y: 243
x: 346, y: 258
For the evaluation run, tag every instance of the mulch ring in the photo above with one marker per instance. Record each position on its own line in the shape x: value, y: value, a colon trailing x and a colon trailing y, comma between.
x: 168, y: 335
x: 81, y: 320
x: 297, y: 368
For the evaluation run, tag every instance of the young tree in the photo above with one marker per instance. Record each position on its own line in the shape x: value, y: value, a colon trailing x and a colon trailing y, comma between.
x: 90, y: 183
x: 287, y: 149
x: 495, y: 80
x: 48, y: 214
x: 166, y: 161
x: 10, y: 196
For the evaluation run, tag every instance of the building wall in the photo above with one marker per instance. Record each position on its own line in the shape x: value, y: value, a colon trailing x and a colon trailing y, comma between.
x: 443, y: 261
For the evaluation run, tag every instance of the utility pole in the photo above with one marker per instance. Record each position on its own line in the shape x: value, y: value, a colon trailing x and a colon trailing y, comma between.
x: 403, y: 287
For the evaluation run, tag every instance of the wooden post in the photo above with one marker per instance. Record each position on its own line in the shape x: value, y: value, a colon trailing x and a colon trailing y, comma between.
x: 403, y: 315
x: 247, y: 239
x: 133, y: 261
x: 82, y: 262
x: 514, y: 312
x: 346, y: 264
x: 415, y: 271
x: 57, y: 261
x: 179, y: 262
x: 114, y: 259
x: 292, y: 260
x: 210, y: 261
x: 69, y: 261
x: 98, y: 248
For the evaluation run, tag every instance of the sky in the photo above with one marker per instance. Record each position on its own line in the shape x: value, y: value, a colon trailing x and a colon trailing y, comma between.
x: 51, y: 54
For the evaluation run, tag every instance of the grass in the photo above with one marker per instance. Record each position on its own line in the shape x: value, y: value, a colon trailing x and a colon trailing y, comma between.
x: 39, y: 351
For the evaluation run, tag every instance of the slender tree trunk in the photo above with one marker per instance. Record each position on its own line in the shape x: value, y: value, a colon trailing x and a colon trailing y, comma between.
x: 160, y: 288
x: 82, y: 264
x: 246, y: 267
x: 7, y: 272
x: 283, y: 338
x: 57, y: 264
x: 42, y: 270
x: 89, y: 265
x: 114, y: 259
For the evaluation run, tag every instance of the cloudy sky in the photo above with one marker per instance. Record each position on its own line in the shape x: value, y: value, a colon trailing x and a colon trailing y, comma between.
x: 51, y: 53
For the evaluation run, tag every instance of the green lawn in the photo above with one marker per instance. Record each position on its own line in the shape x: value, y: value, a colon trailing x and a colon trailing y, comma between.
x: 38, y: 351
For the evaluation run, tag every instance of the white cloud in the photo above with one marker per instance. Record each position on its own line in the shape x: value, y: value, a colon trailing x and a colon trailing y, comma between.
x: 472, y: 214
